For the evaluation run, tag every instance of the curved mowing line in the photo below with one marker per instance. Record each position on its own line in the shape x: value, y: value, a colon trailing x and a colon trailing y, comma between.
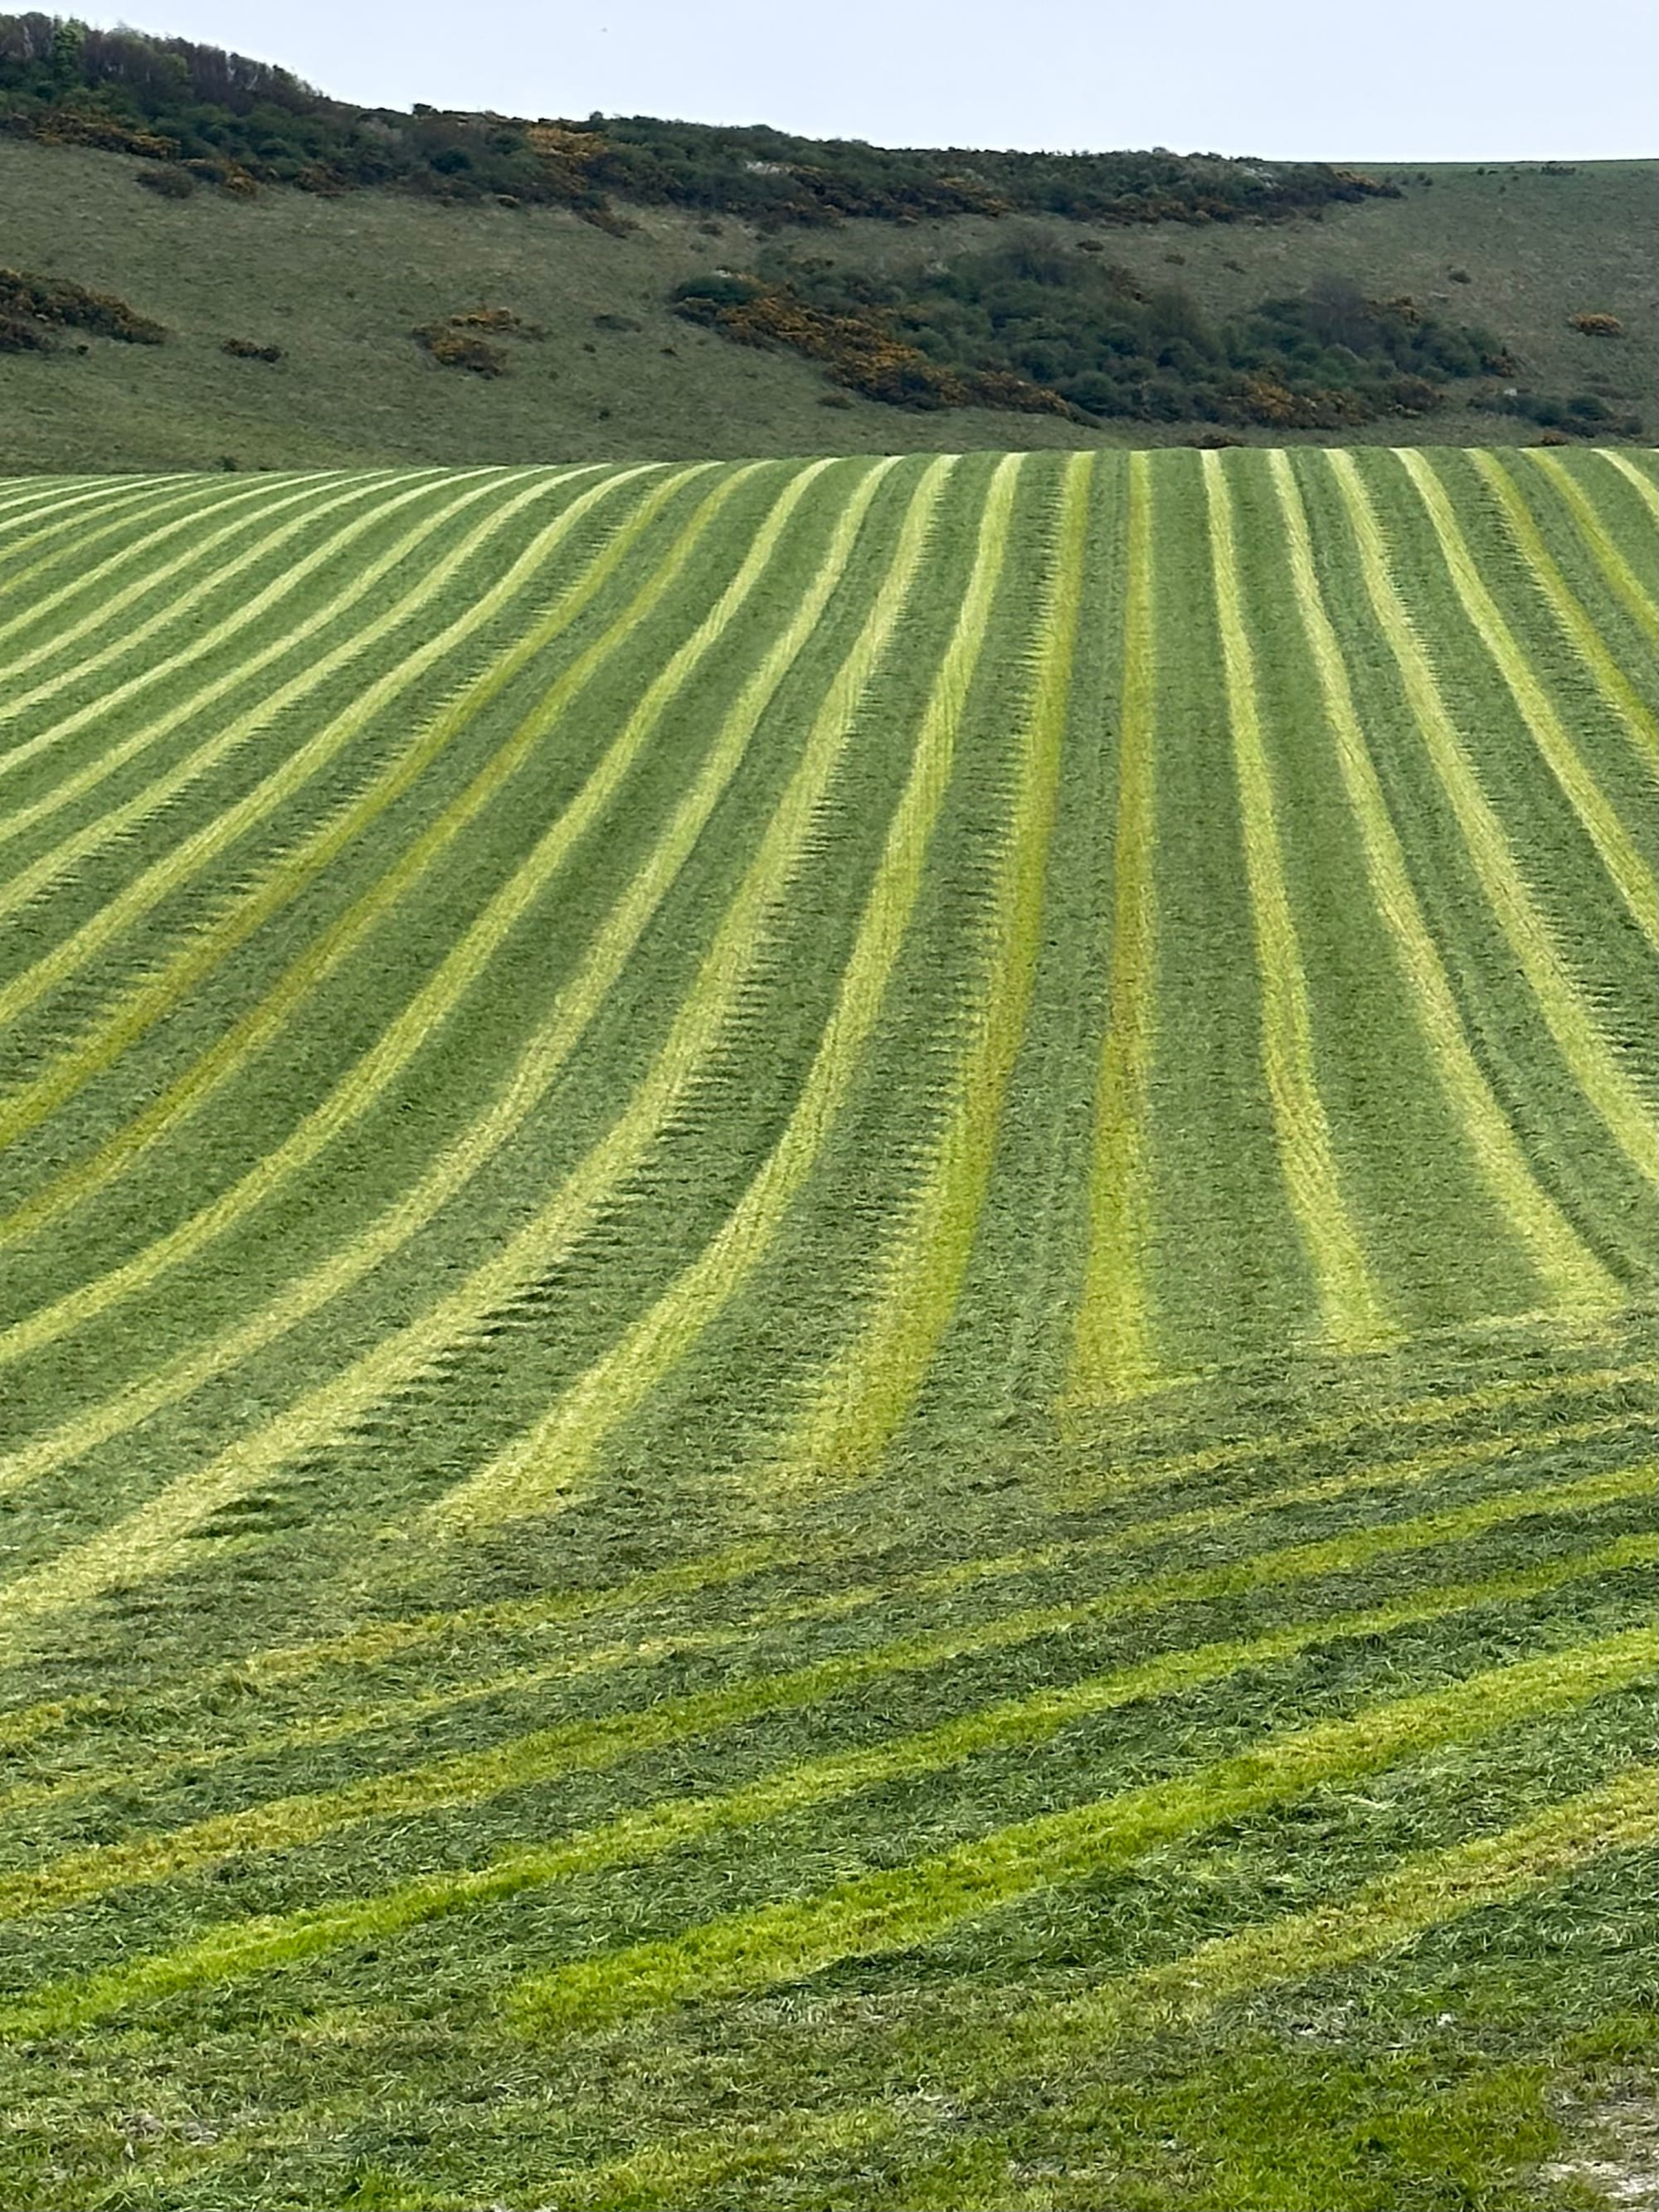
x: 1112, y: 1354
x: 110, y: 492
x: 588, y: 1746
x: 1580, y: 1044
x: 1351, y: 1311
x: 543, y: 1463
x: 586, y: 1743
x: 95, y: 712
x: 1639, y: 724
x: 146, y: 1539
x: 1424, y: 1891
x: 867, y: 1390
x: 113, y: 607
x: 436, y: 1000
x: 1627, y: 585
x: 1570, y: 1273
x: 31, y: 1103
x: 273, y: 1940
x: 222, y: 740
x: 1632, y: 876
x: 1628, y: 469
x: 107, y: 613
x: 897, y: 1910
x: 380, y: 1641
x: 671, y: 1824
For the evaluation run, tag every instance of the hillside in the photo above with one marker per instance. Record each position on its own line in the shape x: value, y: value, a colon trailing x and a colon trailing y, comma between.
x: 342, y: 283
x: 827, y: 1320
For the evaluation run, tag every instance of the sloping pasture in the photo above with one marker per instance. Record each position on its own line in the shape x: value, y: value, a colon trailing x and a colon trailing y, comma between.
x: 825, y: 1308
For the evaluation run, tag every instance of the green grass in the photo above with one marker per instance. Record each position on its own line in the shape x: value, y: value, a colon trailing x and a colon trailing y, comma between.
x: 825, y: 1341
x: 342, y: 283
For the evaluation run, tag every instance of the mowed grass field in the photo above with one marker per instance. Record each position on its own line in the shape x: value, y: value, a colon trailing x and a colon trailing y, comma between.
x: 827, y: 1333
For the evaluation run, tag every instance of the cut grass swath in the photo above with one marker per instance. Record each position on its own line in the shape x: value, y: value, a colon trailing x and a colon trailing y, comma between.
x: 1626, y: 585
x: 1352, y: 1310
x: 1559, y: 997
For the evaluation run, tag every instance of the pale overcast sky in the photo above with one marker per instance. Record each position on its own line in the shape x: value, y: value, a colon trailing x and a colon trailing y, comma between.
x: 1407, y: 80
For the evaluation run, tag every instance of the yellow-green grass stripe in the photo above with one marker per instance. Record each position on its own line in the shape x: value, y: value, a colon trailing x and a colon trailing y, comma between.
x: 1627, y: 469
x: 1627, y: 1116
x: 297, y: 767
x: 1636, y: 717
x: 94, y: 712
x: 1630, y: 873
x: 177, y: 609
x: 1426, y: 1891
x: 467, y: 960
x: 467, y: 1778
x: 1352, y: 1309
x: 1113, y: 1353
x: 109, y: 606
x: 652, y: 1830
x: 899, y: 1909
x: 160, y: 992
x: 143, y: 1541
x: 1278, y: 1566
x: 535, y: 1470
x: 1634, y: 596
x: 114, y: 495
x: 432, y: 1004
x: 1568, y: 1271
x: 864, y: 1396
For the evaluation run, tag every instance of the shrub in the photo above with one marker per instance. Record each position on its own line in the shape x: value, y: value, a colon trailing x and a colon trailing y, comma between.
x: 251, y: 349
x: 1597, y: 326
x: 167, y: 181
x: 59, y: 304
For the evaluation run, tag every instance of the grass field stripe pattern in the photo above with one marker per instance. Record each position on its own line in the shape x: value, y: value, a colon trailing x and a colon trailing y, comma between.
x: 538, y: 1466
x: 108, y: 606
x: 910, y: 1906
x: 1629, y: 872
x: 234, y: 625
x: 1568, y: 1272
x: 1424, y: 1891
x: 1112, y: 1352
x: 655, y: 1829
x: 546, y: 1051
x: 871, y: 1386
x: 1636, y: 717
x: 288, y: 1823
x: 435, y: 1001
x: 1351, y: 1309
x: 191, y: 586
x: 384, y: 1643
x: 1628, y: 470
x: 815, y: 929
x: 1559, y: 999
x: 165, y: 876
x: 613, y: 1739
x: 142, y: 1541
x: 1592, y: 532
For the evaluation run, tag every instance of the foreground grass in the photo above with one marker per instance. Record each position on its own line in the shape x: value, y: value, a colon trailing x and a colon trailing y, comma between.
x: 827, y: 1348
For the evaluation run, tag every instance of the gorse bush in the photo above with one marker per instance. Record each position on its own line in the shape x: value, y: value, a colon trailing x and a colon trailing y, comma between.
x: 1038, y: 326
x: 46, y: 304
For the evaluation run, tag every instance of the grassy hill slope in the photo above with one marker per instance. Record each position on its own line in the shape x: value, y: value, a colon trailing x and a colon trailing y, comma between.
x: 826, y: 1332
x: 340, y: 283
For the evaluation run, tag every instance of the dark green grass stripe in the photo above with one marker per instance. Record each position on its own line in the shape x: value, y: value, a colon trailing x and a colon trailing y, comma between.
x: 402, y: 1038
x: 1060, y: 2038
x: 111, y: 602
x: 96, y: 712
x: 191, y: 584
x: 174, y: 983
x: 286, y: 1823
x: 1051, y: 1847
x: 897, y: 1910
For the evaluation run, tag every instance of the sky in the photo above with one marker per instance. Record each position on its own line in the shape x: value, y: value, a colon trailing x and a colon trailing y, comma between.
x: 1404, y: 81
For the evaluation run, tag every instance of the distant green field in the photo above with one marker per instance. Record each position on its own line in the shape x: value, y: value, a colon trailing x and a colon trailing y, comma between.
x: 826, y: 1342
